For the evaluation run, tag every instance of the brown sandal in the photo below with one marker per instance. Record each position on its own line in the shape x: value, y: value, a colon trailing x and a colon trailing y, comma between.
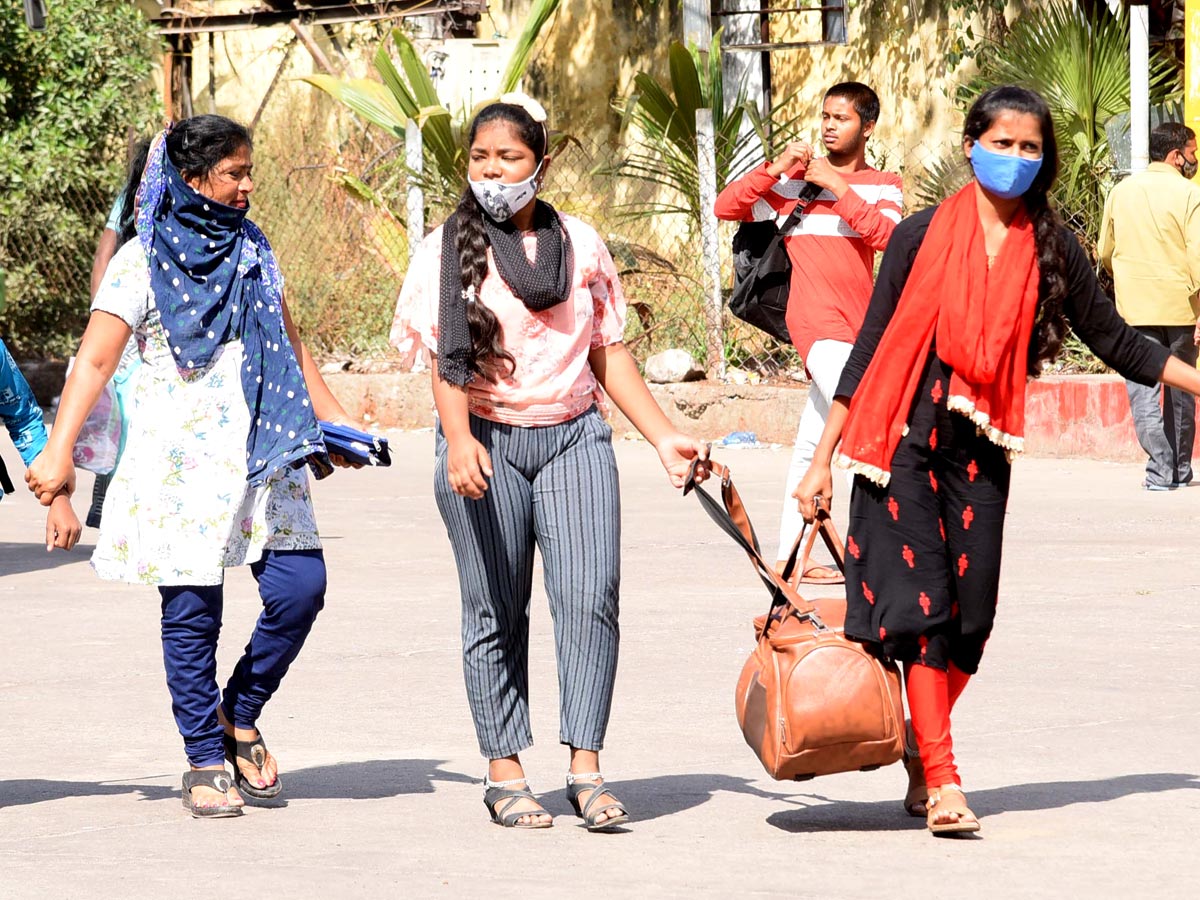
x: 949, y: 799
x: 917, y: 797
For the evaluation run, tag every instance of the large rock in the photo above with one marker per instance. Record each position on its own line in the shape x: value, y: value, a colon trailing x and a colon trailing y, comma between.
x: 672, y: 366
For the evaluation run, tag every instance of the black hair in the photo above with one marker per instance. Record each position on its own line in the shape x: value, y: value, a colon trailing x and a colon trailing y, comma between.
x: 1167, y: 137
x: 127, y: 225
x: 864, y: 100
x: 489, y: 358
x: 197, y: 145
x: 1051, y: 327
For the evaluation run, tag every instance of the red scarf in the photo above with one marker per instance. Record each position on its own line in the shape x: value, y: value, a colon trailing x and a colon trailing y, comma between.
x: 984, y: 320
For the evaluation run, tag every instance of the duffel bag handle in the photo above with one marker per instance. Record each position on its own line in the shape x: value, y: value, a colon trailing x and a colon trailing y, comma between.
x: 731, y: 517
x: 822, y: 525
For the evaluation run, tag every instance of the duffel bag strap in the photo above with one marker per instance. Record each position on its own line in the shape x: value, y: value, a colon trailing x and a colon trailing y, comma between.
x: 731, y: 517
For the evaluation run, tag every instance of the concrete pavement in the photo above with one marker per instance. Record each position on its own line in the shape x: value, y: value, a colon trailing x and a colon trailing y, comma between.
x: 1078, y: 740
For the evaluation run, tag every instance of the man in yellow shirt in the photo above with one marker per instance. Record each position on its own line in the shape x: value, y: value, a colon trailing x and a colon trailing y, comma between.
x: 1150, y: 241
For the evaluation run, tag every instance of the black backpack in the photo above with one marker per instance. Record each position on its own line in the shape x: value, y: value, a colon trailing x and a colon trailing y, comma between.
x: 762, y: 272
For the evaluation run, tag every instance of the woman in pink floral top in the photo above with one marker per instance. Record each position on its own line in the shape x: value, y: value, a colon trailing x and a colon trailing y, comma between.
x: 522, y: 315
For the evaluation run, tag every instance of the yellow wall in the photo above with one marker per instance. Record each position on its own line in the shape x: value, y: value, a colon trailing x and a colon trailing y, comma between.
x: 245, y: 62
x: 901, y: 49
x: 1191, y: 55
x: 590, y: 52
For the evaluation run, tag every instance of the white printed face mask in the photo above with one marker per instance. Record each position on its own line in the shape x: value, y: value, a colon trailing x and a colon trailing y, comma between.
x: 501, y: 199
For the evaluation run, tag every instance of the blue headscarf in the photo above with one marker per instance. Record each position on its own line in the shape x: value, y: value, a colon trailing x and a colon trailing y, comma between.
x: 214, y: 279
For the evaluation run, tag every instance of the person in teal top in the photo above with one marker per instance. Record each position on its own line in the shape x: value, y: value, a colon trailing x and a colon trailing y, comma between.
x: 21, y: 415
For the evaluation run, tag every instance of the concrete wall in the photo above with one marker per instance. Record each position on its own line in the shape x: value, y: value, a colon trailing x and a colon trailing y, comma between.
x: 1069, y: 416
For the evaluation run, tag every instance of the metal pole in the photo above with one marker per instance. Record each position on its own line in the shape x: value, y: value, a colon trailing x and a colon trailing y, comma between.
x: 710, y: 242
x: 212, y: 72
x: 697, y: 22
x: 1139, y: 87
x: 744, y: 68
x: 415, y: 199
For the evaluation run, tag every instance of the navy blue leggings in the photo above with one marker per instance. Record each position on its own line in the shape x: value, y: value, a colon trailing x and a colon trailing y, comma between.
x: 292, y: 586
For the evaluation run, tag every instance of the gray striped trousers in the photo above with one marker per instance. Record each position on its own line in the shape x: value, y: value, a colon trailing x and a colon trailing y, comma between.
x: 554, y: 486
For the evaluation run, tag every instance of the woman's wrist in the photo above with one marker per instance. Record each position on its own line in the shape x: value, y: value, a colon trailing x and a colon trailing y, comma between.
x: 56, y: 446
x: 455, y: 436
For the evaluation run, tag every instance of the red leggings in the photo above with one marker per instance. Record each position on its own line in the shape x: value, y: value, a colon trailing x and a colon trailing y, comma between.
x: 931, y: 696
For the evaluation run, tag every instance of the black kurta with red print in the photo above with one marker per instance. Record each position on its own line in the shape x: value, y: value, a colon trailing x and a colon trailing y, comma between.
x: 923, y: 554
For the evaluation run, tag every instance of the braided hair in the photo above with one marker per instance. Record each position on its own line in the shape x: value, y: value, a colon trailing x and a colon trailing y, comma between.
x: 1051, y: 325
x: 489, y: 357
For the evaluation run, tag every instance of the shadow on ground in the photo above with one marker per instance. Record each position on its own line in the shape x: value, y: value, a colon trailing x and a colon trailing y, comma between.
x: 817, y: 813
x: 370, y: 780
x: 666, y: 795
x: 17, y: 558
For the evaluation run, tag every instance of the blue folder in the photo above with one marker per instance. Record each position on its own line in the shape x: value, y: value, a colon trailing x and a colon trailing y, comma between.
x: 356, y: 446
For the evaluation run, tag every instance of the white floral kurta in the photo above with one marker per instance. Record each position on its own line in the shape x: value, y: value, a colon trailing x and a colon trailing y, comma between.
x: 179, y: 509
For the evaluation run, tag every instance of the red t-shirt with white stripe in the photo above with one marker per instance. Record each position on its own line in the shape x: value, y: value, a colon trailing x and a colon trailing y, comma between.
x: 832, y: 247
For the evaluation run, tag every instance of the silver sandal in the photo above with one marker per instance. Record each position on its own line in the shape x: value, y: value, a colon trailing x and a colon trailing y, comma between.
x: 593, y: 781
x: 499, y: 796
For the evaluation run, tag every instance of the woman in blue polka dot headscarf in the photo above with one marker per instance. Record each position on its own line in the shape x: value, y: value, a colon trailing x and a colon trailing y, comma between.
x: 224, y: 419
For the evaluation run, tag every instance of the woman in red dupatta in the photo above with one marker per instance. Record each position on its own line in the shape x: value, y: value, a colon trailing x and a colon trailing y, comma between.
x: 972, y: 299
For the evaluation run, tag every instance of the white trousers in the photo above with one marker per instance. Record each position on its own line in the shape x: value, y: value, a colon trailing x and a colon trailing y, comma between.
x: 825, y: 362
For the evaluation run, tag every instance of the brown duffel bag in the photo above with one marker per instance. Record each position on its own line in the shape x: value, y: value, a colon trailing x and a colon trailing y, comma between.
x: 809, y: 701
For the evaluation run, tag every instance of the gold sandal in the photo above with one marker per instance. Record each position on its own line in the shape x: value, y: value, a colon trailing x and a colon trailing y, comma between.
x: 917, y: 797
x: 942, y: 802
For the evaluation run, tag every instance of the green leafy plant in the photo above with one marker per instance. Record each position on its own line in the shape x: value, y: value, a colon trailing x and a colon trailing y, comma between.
x: 942, y: 178
x: 68, y: 98
x: 659, y: 124
x: 407, y: 92
x: 1080, y: 63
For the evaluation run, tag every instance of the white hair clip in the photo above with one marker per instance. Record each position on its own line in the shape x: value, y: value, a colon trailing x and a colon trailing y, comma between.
x: 536, y: 111
x: 468, y: 294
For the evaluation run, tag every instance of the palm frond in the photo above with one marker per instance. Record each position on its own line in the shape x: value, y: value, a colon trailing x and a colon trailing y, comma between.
x: 369, y: 99
x: 539, y: 14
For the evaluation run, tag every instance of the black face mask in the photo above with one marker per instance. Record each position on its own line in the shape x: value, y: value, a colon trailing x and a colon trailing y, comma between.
x: 1187, y: 169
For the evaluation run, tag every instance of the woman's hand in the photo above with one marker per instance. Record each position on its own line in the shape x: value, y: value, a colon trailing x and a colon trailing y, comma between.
x: 468, y: 467
x: 62, y: 525
x: 340, y: 461
x: 817, y: 482
x: 51, y: 474
x: 676, y: 452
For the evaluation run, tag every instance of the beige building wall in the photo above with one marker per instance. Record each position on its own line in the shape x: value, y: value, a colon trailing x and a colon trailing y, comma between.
x: 904, y: 49
x: 588, y: 55
x: 232, y: 71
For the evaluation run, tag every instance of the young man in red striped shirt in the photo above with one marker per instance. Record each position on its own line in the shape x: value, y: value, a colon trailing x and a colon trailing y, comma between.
x: 832, y: 250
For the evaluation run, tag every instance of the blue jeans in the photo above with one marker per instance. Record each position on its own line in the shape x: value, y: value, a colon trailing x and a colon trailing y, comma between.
x: 1164, y: 417
x: 292, y: 586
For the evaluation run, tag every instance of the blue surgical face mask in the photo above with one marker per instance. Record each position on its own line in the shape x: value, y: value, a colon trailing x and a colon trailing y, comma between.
x: 501, y: 199
x: 1003, y: 175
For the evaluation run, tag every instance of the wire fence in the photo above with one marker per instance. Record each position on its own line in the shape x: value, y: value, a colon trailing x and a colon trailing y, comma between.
x: 344, y: 253
x: 47, y: 246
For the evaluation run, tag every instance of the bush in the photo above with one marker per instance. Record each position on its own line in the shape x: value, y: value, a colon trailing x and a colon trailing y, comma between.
x: 69, y: 97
